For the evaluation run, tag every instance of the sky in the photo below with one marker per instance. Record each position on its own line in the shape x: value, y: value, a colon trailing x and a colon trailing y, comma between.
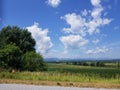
x: 67, y: 28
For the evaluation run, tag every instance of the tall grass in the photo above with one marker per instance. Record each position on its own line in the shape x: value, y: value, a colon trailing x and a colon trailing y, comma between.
x: 70, y: 73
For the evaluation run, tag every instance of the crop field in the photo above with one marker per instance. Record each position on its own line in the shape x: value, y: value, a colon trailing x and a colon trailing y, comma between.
x: 61, y: 74
x: 71, y: 73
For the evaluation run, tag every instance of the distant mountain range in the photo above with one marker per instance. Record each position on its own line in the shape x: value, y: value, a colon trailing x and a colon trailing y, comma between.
x: 78, y: 59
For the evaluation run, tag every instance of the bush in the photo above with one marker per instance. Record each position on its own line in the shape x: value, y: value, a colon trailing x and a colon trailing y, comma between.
x: 74, y: 63
x: 33, y: 62
x: 100, y: 64
x: 80, y: 63
x: 92, y: 64
x: 85, y: 64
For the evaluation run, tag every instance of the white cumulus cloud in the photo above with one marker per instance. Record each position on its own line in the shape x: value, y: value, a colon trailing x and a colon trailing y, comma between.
x: 96, y: 13
x: 53, y: 3
x: 84, y: 23
x: 43, y: 41
x: 98, y: 50
x: 95, y: 2
x: 73, y: 41
x: 88, y: 22
x: 77, y: 24
x: 97, y: 19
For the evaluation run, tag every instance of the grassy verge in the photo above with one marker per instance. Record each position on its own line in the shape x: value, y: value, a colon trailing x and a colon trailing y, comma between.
x: 67, y: 75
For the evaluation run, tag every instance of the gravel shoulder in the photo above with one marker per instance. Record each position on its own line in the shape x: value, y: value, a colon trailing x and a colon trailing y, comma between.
x: 58, y: 83
x: 39, y: 87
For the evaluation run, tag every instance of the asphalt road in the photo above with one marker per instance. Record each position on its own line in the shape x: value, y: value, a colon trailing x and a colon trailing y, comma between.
x: 34, y: 87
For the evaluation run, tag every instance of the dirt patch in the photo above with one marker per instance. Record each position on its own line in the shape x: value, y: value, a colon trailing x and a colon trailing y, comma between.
x: 57, y: 83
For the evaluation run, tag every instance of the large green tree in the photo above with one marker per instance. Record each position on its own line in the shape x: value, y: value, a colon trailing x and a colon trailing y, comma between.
x: 21, y: 37
x: 17, y: 50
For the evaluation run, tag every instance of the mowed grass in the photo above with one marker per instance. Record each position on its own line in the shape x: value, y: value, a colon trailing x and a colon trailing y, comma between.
x: 69, y: 73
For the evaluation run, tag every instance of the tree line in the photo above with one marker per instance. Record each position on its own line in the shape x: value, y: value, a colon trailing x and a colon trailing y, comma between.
x: 97, y: 64
x: 17, y: 50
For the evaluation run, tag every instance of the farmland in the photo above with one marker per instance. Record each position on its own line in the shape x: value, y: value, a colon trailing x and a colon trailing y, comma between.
x: 62, y: 72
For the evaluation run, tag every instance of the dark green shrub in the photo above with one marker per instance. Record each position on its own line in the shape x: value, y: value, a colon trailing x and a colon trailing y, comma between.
x: 92, y: 64
x: 33, y: 62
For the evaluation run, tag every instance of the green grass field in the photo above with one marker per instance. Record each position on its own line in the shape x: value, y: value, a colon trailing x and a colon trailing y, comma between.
x: 69, y: 73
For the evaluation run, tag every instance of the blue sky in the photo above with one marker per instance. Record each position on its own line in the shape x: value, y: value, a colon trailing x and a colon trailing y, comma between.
x: 67, y: 28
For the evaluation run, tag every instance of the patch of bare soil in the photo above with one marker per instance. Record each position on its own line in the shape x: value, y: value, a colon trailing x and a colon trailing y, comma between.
x: 55, y: 83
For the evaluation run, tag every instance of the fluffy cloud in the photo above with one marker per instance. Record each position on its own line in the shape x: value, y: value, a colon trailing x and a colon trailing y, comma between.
x: 97, y: 20
x: 96, y: 13
x: 98, y: 50
x: 73, y: 41
x: 95, y: 2
x: 76, y: 22
x: 81, y: 25
x: 84, y: 13
x: 54, y: 3
x: 97, y: 10
x: 43, y: 41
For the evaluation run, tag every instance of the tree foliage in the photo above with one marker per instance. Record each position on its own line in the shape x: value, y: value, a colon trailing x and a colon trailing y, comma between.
x: 17, y: 50
x: 21, y: 37
x: 10, y: 56
x: 33, y: 62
